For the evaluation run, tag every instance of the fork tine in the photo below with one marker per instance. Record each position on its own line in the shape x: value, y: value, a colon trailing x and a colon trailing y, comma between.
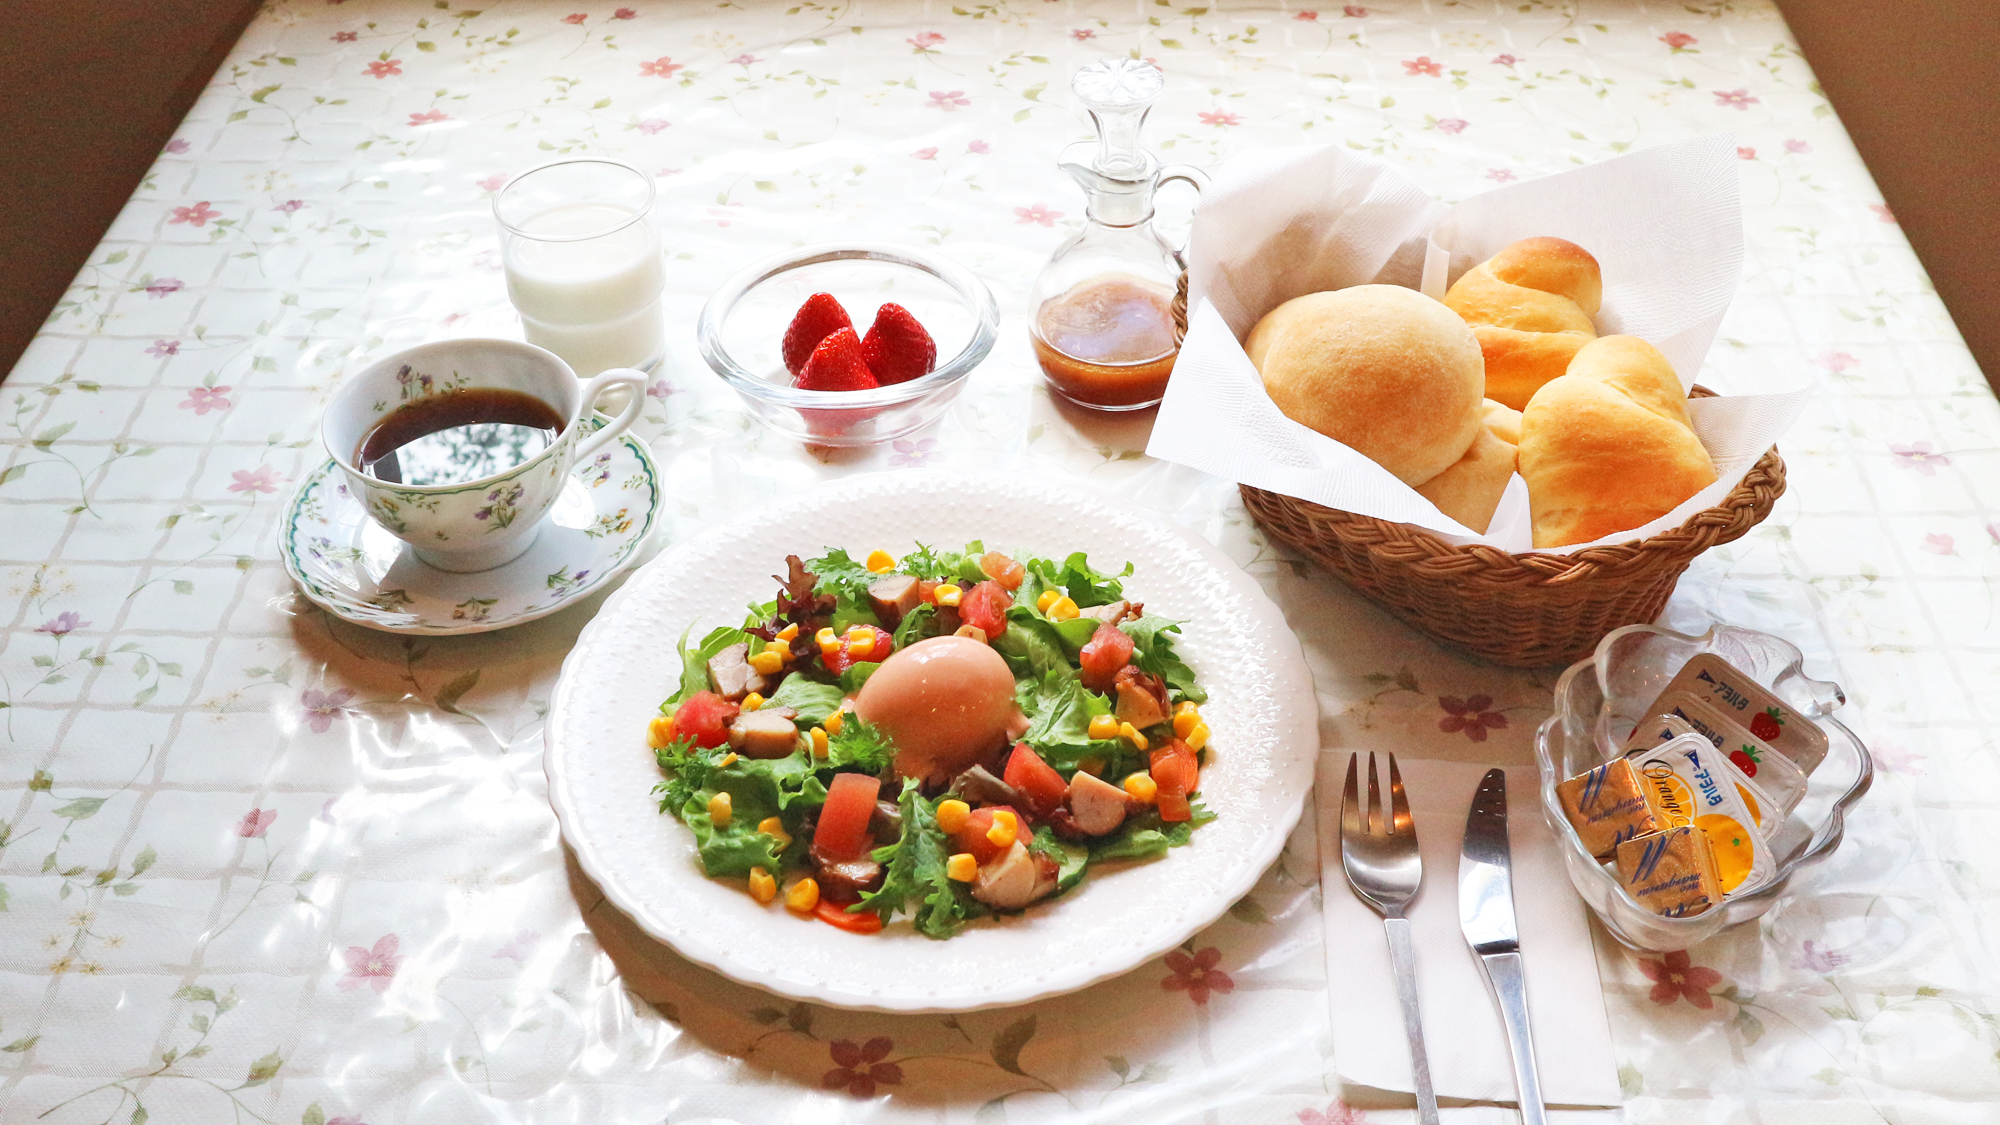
x: 1350, y: 805
x: 1401, y: 823
x: 1377, y: 826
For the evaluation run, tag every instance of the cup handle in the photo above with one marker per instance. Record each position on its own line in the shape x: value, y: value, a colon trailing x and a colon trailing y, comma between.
x: 625, y: 376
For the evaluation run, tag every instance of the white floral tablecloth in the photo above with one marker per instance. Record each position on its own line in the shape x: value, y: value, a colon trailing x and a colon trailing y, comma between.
x: 262, y: 866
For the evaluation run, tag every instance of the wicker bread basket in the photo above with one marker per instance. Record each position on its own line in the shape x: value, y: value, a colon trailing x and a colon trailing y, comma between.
x: 1524, y: 610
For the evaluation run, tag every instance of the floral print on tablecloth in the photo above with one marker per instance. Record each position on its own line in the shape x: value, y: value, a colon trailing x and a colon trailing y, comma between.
x: 258, y: 864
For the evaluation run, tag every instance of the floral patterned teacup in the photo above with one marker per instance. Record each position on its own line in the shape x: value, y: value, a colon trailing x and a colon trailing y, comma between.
x: 484, y: 523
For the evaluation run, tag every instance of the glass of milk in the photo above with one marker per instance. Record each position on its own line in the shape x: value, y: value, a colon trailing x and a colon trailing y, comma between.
x: 583, y: 263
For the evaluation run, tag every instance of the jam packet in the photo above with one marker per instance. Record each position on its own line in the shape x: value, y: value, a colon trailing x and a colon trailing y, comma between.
x: 1687, y: 783
x: 1671, y: 873
x: 1751, y: 706
x: 1607, y: 806
x: 1678, y: 713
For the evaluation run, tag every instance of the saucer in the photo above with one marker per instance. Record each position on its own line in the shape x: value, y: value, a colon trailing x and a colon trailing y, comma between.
x: 352, y: 567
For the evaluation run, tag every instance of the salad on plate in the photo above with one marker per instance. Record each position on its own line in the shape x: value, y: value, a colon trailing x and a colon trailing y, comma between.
x: 951, y: 735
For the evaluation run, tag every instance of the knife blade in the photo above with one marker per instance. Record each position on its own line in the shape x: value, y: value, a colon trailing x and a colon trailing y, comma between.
x: 1486, y: 915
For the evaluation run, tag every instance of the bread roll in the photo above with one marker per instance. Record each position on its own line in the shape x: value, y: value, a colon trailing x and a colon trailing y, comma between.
x: 1503, y: 420
x: 1384, y: 370
x: 1608, y: 447
x: 1531, y: 307
x: 1469, y: 491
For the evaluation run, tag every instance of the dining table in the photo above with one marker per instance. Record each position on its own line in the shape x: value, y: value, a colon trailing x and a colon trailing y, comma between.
x: 258, y: 863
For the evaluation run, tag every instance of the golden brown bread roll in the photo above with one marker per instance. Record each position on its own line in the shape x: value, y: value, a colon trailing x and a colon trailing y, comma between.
x: 1531, y: 306
x: 1607, y: 447
x: 1384, y: 370
x: 1503, y: 420
x: 1470, y: 490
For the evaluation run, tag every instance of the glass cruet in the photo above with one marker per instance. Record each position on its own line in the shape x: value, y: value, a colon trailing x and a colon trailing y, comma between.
x: 1102, y: 322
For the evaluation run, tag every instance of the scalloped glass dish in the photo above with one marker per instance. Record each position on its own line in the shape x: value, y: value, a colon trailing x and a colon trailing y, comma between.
x: 743, y: 325
x: 1260, y: 767
x: 1598, y: 703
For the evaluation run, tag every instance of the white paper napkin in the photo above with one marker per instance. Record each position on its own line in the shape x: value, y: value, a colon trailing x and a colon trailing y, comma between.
x: 1467, y: 1045
x: 1663, y: 223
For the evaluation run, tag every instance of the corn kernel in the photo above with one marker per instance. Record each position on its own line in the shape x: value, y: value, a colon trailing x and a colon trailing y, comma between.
x: 861, y: 642
x: 1131, y: 734
x: 1005, y: 829
x: 819, y: 742
x: 660, y: 732
x: 728, y: 760
x: 770, y: 662
x: 1064, y: 609
x: 947, y: 594
x: 720, y: 810
x: 834, y: 722
x: 763, y: 888
x: 1141, y: 787
x: 961, y: 868
x: 827, y: 640
x: 1186, y: 718
x: 775, y: 828
x: 789, y: 633
x: 1198, y: 737
x: 802, y: 896
x: 752, y: 701
x: 1103, y: 726
x: 951, y: 816
x: 881, y: 562
x: 1048, y: 598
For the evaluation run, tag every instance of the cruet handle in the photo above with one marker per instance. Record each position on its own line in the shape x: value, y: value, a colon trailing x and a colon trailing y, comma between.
x: 1191, y: 176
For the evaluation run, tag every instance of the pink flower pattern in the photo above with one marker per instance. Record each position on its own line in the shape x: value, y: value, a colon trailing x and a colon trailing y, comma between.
x: 1308, y: 16
x: 1815, y: 960
x: 1735, y: 99
x: 374, y: 967
x: 1337, y: 1112
x: 1893, y: 758
x: 662, y: 67
x: 653, y: 125
x: 1883, y: 213
x: 264, y: 479
x: 323, y: 707
x: 1474, y: 716
x: 1039, y: 213
x: 1354, y: 12
x: 978, y: 148
x: 1422, y: 64
x: 1675, y: 978
x: 255, y: 822
x: 493, y: 182
x: 1918, y: 457
x: 177, y: 146
x: 165, y: 347
x: 1743, y: 153
x: 384, y: 68
x: 195, y: 216
x: 1835, y: 362
x: 1797, y: 146
x: 859, y: 1069
x: 428, y: 117
x: 1219, y: 118
x: 1505, y: 60
x: 1678, y: 40
x: 576, y: 17
x: 1501, y: 175
x: 165, y: 286
x: 1197, y: 975
x: 743, y: 60
x: 1938, y: 543
x: 662, y: 390
x: 947, y: 100
x: 926, y: 153
x: 910, y: 454
x: 624, y: 14
x: 924, y: 40
x: 201, y: 400
x: 345, y: 36
x: 63, y: 624
x: 1452, y: 125
x: 1083, y: 34
x: 290, y: 206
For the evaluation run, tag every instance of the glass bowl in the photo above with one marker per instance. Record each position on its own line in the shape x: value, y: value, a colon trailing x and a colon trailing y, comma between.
x: 742, y: 329
x: 1600, y: 701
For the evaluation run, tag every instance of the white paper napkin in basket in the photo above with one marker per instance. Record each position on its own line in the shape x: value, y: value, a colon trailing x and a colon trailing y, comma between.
x: 1467, y: 1045
x: 1663, y: 223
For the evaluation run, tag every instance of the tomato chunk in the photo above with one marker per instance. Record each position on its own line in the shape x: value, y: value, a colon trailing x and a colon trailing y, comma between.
x: 1176, y: 771
x: 1008, y: 573
x: 861, y: 643
x: 1108, y: 650
x: 836, y: 915
x: 704, y: 717
x: 1042, y: 785
x: 842, y: 831
x: 985, y: 607
x: 972, y: 837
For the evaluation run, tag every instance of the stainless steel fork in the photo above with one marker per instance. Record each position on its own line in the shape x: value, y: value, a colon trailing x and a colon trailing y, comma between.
x: 1379, y: 854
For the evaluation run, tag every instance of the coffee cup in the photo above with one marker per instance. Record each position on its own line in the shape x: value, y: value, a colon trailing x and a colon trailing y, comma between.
x: 477, y: 524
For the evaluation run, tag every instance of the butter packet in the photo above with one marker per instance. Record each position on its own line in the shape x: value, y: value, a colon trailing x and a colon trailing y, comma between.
x: 1671, y: 873
x: 1607, y: 806
x: 1775, y: 779
x: 1688, y: 784
x: 1751, y: 706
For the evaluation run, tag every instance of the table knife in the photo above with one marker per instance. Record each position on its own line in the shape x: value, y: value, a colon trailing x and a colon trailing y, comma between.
x: 1486, y: 914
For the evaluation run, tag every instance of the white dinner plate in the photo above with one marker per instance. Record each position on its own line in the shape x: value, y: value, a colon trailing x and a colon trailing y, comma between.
x: 1260, y: 757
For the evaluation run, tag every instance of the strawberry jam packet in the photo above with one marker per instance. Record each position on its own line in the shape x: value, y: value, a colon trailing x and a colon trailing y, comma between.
x: 1677, y: 713
x: 1749, y: 705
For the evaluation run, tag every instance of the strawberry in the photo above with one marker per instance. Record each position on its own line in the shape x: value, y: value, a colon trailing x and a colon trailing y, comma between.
x: 821, y: 316
x: 1765, y: 726
x: 1745, y: 760
x: 897, y: 348
x: 836, y: 365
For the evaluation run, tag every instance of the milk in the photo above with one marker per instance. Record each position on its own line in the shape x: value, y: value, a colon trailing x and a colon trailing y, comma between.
x: 594, y: 301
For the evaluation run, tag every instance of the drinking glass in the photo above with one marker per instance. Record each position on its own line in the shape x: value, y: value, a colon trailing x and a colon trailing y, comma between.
x: 583, y: 263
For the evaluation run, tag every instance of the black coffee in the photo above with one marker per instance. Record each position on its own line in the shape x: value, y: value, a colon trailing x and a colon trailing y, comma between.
x: 458, y: 436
